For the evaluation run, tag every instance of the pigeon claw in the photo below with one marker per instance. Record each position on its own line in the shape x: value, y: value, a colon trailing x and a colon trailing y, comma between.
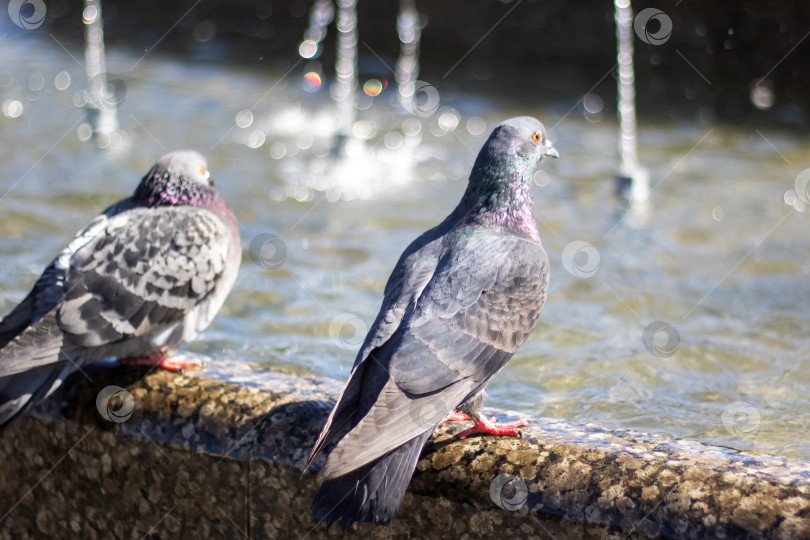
x: 456, y: 416
x: 177, y: 364
x: 453, y: 416
x: 488, y: 426
x: 162, y: 360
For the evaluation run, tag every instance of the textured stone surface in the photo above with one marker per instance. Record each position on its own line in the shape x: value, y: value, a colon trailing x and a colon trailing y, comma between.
x: 221, y: 455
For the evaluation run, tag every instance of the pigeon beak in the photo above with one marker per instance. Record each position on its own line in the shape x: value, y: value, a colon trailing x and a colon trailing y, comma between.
x: 550, y: 150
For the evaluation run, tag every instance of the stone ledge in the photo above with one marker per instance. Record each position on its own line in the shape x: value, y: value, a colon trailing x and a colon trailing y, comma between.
x: 221, y: 454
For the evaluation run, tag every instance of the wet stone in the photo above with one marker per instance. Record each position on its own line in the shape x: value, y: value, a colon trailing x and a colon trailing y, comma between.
x: 221, y: 454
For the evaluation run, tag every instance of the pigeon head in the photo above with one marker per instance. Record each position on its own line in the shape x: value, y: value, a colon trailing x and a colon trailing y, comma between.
x: 178, y: 178
x: 500, y: 182
x: 183, y: 166
x: 513, y: 150
x: 515, y: 147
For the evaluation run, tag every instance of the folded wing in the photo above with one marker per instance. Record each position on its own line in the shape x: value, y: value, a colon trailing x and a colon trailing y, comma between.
x: 480, y: 305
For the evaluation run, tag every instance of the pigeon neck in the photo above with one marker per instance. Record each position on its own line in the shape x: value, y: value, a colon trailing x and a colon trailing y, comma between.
x: 153, y: 193
x: 161, y: 191
x: 501, y: 202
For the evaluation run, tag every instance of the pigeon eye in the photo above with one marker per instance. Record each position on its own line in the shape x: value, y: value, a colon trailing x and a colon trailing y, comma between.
x: 202, y: 169
x: 537, y: 136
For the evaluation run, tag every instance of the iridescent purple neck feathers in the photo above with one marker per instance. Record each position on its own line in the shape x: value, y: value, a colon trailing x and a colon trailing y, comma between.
x: 499, y: 192
x: 503, y: 203
x: 181, y: 179
x: 164, y: 190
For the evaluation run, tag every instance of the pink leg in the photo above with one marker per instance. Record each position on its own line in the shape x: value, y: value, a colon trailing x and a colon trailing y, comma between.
x: 163, y: 360
x: 488, y: 426
x: 456, y: 416
x: 453, y: 416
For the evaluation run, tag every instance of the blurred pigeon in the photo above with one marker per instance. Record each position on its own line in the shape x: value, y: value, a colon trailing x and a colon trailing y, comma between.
x: 141, y: 279
x: 462, y: 299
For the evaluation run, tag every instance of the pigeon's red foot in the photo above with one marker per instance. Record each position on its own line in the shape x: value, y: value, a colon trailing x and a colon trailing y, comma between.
x: 177, y: 364
x: 453, y: 416
x: 488, y: 426
x: 456, y: 416
x: 161, y: 359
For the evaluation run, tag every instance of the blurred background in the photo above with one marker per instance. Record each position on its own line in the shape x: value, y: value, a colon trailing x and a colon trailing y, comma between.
x: 339, y: 132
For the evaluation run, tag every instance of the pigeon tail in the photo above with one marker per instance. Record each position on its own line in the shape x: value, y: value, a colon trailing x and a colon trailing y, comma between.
x: 371, y: 493
x: 32, y: 365
x: 18, y: 392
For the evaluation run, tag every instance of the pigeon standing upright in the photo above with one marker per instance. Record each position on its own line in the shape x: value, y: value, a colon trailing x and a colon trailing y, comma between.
x: 140, y: 280
x: 462, y: 299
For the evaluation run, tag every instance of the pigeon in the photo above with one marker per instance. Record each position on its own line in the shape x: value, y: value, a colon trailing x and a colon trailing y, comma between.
x: 140, y: 280
x: 462, y: 298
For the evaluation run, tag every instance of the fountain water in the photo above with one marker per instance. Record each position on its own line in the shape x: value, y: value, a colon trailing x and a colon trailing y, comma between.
x: 633, y: 181
x: 342, y: 91
x: 362, y: 151
x: 409, y: 29
x: 346, y: 68
x: 320, y: 17
x: 101, y: 110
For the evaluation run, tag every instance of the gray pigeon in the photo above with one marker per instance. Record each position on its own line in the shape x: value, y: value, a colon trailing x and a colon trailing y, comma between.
x: 141, y: 279
x: 462, y: 299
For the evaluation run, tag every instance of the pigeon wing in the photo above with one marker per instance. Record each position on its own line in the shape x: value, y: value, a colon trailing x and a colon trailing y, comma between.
x: 142, y: 274
x: 486, y: 297
x: 411, y: 274
x: 413, y: 271
x: 479, y: 308
x: 49, y: 289
x: 20, y: 318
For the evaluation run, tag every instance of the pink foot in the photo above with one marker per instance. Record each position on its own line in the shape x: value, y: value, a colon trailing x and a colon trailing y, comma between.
x: 176, y: 364
x: 162, y: 360
x: 488, y: 426
x: 456, y: 416
x: 453, y: 416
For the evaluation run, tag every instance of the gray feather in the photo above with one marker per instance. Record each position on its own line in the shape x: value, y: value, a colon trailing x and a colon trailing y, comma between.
x: 462, y: 299
x: 143, y: 274
x: 147, y: 274
x: 468, y: 321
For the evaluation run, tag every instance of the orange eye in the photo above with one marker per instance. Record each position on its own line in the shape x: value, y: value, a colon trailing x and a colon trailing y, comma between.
x: 537, y: 136
x: 202, y: 169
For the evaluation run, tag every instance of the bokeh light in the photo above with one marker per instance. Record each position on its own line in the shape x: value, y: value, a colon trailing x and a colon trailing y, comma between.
x: 12, y: 108
x: 308, y: 48
x: 62, y: 80
x: 89, y: 14
x: 312, y: 81
x: 373, y: 87
x: 244, y: 118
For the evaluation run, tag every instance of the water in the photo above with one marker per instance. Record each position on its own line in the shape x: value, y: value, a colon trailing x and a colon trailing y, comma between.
x: 101, y: 112
x: 721, y: 257
x: 629, y: 168
x: 409, y: 29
